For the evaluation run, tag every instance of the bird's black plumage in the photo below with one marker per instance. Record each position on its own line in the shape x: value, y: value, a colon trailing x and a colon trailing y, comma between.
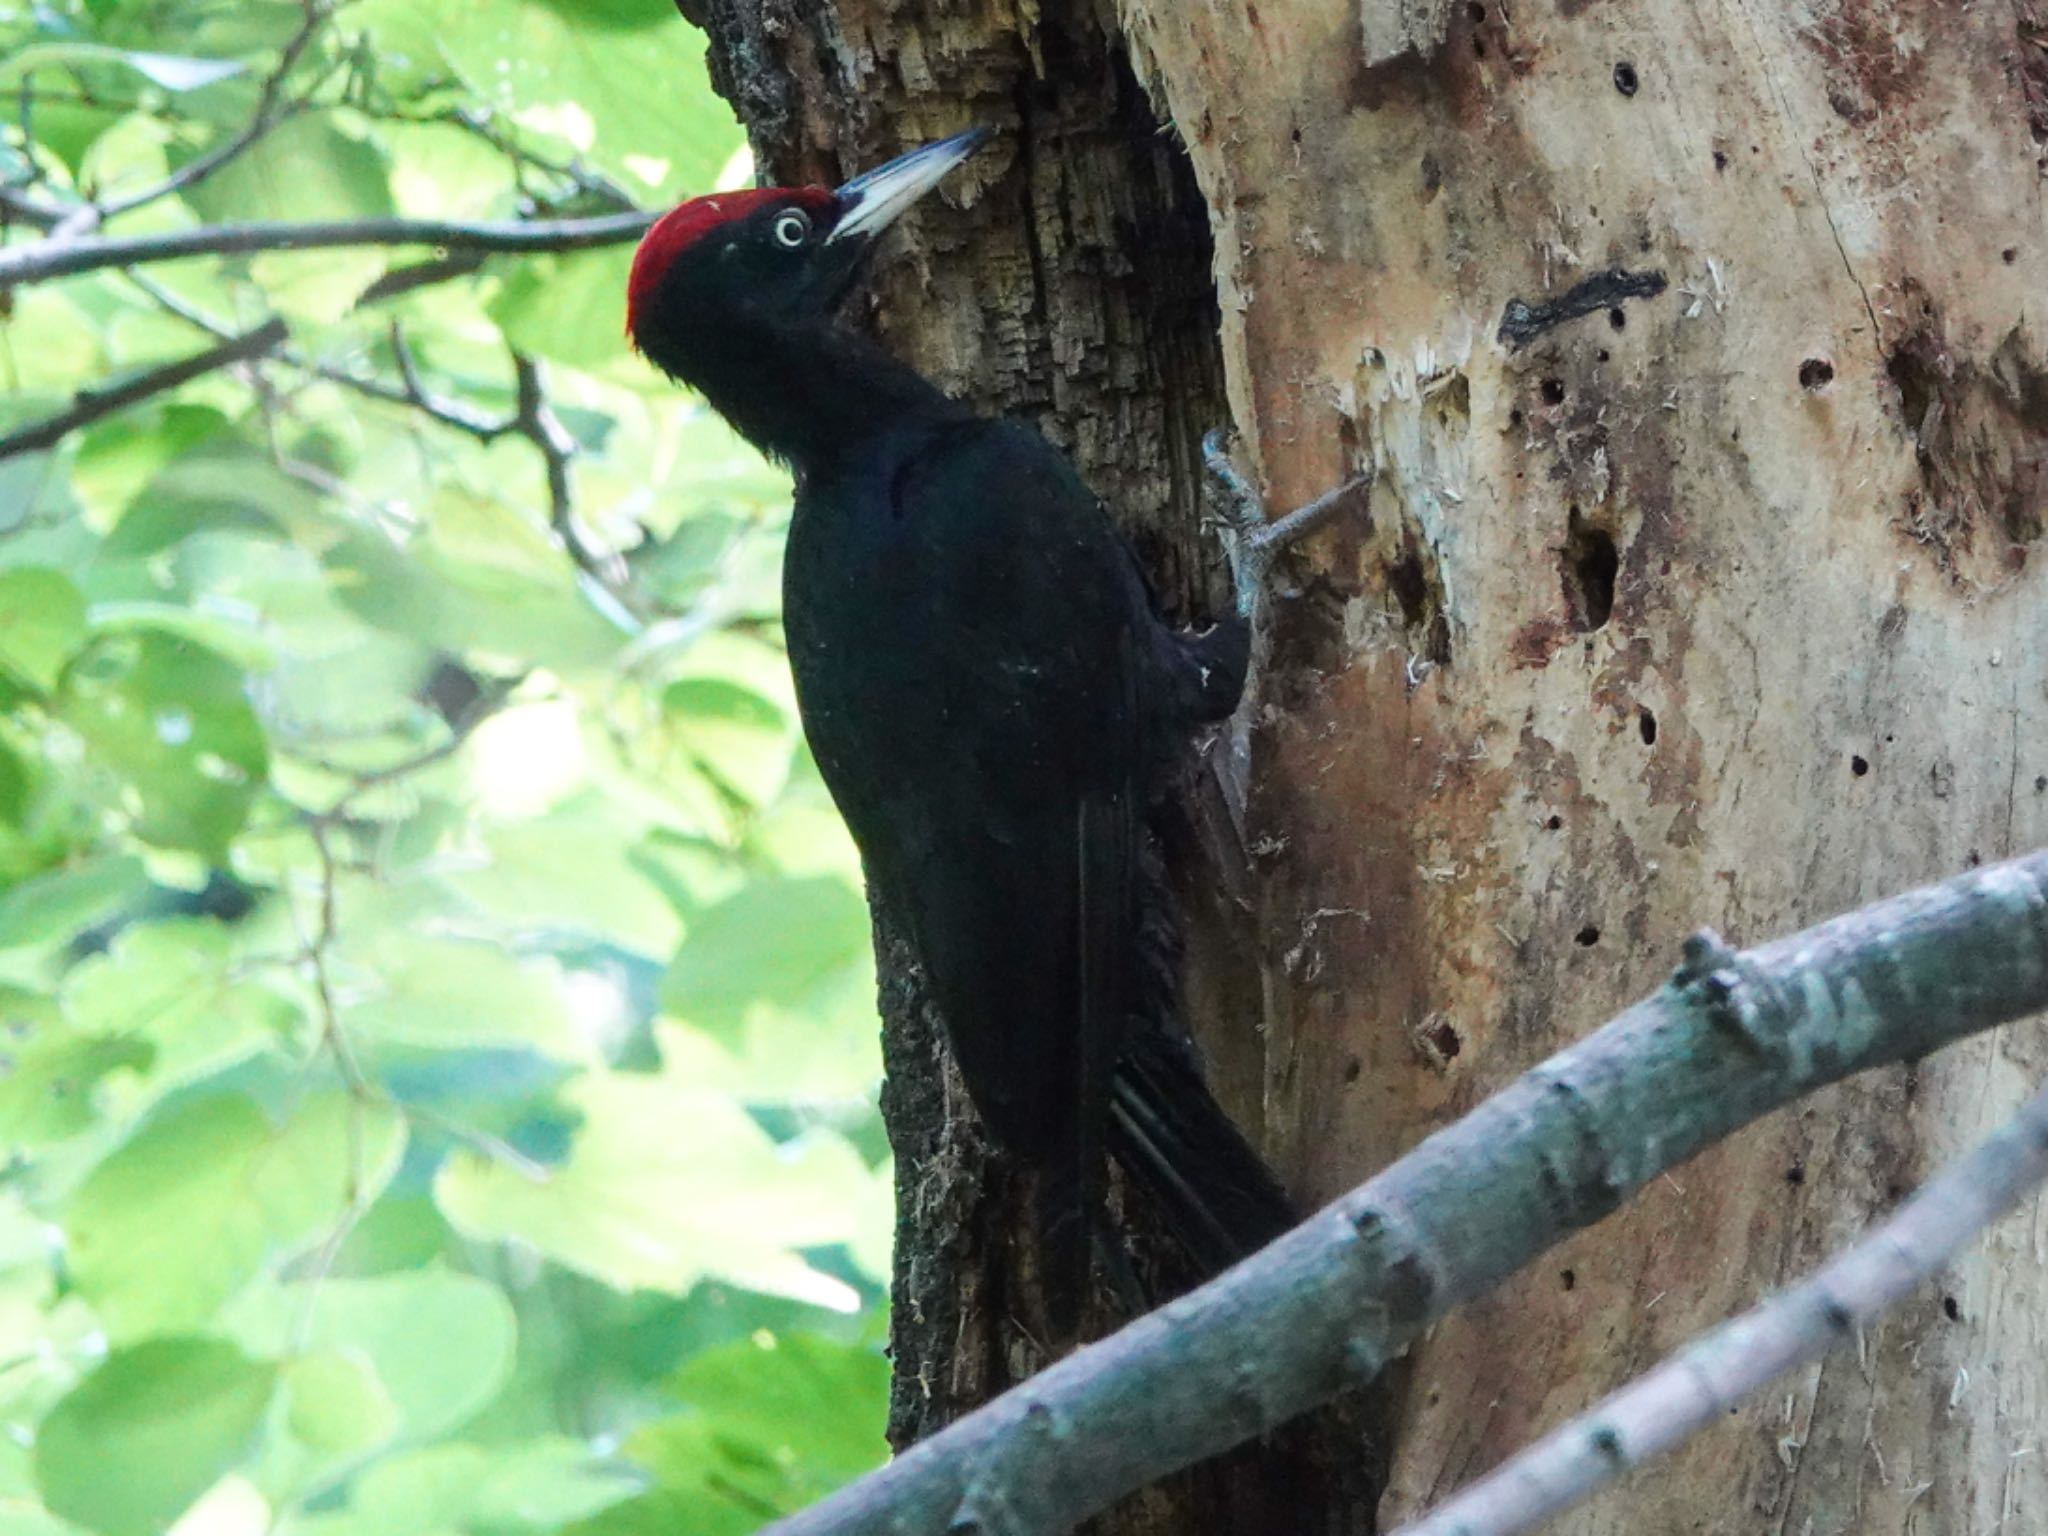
x: 996, y: 706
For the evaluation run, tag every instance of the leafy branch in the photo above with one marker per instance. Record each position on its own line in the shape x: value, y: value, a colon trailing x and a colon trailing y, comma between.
x: 1729, y: 1037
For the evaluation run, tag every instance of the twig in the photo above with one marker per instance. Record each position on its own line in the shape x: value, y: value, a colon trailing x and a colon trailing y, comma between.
x: 271, y: 109
x: 361, y: 781
x: 1728, y: 1038
x: 335, y: 1042
x: 414, y: 392
x: 536, y: 421
x: 90, y: 405
x: 590, y: 183
x: 399, y: 281
x: 1702, y: 1382
x: 48, y: 259
x: 74, y: 219
x: 409, y: 392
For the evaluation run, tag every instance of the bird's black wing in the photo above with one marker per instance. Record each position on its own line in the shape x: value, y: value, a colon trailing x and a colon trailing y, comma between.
x: 983, y: 723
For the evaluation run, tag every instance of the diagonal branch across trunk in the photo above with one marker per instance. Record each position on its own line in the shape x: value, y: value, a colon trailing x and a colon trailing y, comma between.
x: 1730, y: 1037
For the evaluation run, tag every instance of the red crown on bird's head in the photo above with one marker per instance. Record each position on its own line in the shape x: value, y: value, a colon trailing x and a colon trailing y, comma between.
x: 683, y: 226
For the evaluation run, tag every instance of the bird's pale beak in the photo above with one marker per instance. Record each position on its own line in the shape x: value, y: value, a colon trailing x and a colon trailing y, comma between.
x: 870, y: 203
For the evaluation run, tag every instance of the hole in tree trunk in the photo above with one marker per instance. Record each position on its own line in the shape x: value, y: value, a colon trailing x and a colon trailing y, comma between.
x: 1588, y: 565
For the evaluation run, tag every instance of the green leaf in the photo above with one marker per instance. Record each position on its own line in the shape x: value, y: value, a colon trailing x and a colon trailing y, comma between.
x: 234, y: 638
x: 666, y: 1184
x: 775, y: 942
x: 174, y: 72
x: 170, y: 721
x: 68, y: 129
x: 810, y: 1408
x: 450, y: 592
x: 667, y: 1511
x: 130, y: 1448
x: 572, y: 870
x: 253, y: 1188
x: 568, y: 309
x: 219, y: 484
x: 541, y: 1485
x: 502, y: 1490
x: 307, y: 167
x: 743, y: 740
x: 556, y: 68
x: 47, y: 1093
x: 42, y: 621
x: 335, y: 1404
x: 59, y: 902
x: 169, y: 987
x: 452, y: 994
x: 117, y: 458
x: 440, y: 1345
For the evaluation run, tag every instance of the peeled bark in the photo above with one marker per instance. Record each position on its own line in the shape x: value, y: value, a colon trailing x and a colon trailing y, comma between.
x: 1690, y: 343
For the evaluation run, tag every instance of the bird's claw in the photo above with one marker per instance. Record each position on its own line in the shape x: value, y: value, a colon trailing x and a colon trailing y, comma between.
x: 1239, y: 516
x: 1252, y: 541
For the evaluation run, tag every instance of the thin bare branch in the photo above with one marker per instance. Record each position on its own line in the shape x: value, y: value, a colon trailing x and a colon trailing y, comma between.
x: 1729, y: 1037
x: 536, y: 421
x: 1700, y: 1384
x: 586, y: 181
x: 414, y: 392
x: 361, y: 781
x: 409, y: 392
x: 90, y: 405
x: 399, y: 281
x: 46, y: 260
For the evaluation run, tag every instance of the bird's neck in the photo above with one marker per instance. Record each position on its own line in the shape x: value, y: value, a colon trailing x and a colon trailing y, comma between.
x: 806, y: 394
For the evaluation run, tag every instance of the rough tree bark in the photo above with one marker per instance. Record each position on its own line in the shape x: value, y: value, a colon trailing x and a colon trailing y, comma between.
x: 1701, y: 583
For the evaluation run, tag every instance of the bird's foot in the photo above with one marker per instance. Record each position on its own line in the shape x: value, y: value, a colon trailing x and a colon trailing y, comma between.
x: 1252, y: 542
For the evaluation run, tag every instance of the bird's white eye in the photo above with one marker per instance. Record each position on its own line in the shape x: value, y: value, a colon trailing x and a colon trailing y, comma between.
x: 792, y: 228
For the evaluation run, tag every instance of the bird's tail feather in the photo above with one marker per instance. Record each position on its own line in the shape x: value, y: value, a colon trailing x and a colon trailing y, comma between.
x: 1221, y: 1201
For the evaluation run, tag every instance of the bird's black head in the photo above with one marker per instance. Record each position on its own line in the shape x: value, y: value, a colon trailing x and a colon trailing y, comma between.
x: 782, y: 256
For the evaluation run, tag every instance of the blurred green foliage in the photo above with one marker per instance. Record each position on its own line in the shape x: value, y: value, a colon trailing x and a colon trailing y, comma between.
x: 438, y: 1048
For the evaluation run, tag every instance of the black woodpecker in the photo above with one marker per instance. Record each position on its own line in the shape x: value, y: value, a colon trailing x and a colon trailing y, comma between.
x: 994, y: 702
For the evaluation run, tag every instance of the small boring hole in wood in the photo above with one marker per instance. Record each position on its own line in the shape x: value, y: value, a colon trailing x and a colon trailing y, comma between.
x: 1646, y: 722
x: 1858, y: 765
x: 1587, y: 936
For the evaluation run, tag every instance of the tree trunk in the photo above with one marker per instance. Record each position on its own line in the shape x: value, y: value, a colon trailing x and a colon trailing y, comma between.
x: 1689, y: 344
